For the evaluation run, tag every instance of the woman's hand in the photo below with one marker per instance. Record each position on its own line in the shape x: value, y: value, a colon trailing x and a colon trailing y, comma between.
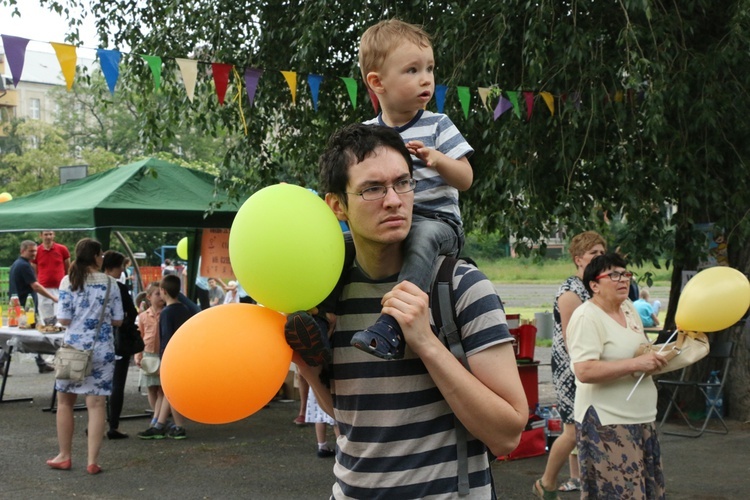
x: 650, y: 362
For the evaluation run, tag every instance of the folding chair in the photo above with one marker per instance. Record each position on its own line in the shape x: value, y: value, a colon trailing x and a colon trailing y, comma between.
x: 721, y: 352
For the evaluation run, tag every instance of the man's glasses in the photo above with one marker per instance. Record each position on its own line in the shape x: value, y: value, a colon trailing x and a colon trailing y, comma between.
x: 616, y: 276
x: 374, y: 193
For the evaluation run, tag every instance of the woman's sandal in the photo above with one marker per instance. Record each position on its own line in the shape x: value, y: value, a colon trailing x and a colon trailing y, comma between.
x: 538, y: 491
x: 572, y: 484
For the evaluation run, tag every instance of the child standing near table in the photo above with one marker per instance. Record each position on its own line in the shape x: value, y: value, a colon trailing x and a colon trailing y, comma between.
x: 148, y: 324
x: 170, y: 320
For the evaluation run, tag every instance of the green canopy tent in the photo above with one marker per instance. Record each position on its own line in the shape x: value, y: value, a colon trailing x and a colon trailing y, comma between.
x: 147, y: 195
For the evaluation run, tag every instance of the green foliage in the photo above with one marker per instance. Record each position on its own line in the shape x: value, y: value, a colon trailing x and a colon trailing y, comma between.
x: 650, y: 103
x: 486, y: 246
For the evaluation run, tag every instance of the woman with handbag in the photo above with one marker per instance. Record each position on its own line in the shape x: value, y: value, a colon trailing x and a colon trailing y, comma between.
x: 618, y: 446
x: 90, y: 305
x: 128, y: 341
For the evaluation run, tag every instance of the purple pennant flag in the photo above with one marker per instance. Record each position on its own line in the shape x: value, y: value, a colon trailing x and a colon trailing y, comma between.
x: 440, y: 91
x: 252, y: 75
x: 314, y: 82
x: 503, y: 105
x: 15, y: 50
x: 109, y: 60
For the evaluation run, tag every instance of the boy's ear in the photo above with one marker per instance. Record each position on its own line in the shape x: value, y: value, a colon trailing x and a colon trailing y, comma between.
x: 374, y: 82
x: 338, y: 208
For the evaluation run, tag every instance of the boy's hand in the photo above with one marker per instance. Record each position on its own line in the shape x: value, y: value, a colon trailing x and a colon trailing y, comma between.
x: 429, y: 156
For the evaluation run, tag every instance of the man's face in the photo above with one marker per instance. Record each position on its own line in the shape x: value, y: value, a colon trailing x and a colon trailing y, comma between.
x: 212, y: 283
x: 384, y: 221
x: 29, y: 253
x: 48, y: 237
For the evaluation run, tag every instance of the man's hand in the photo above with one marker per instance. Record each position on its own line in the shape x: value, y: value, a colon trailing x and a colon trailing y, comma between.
x: 411, y: 308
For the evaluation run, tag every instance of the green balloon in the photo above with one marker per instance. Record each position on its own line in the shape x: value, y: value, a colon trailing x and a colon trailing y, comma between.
x: 286, y: 248
x: 182, y: 248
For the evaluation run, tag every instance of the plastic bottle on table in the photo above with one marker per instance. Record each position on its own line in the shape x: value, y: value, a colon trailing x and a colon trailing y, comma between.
x: 30, y: 312
x: 713, y: 394
x: 13, y: 310
x: 554, y: 426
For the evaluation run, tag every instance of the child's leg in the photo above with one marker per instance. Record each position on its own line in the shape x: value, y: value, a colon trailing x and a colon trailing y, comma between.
x: 427, y: 239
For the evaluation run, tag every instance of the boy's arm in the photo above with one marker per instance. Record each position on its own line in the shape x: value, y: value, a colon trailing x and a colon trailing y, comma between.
x: 456, y: 173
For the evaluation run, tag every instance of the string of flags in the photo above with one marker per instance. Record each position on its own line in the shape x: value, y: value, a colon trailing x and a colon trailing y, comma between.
x: 110, y: 60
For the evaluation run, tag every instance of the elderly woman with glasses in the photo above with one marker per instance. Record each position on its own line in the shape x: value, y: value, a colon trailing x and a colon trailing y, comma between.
x: 618, y: 446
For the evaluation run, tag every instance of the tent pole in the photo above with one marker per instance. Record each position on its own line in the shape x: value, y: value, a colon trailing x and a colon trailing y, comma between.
x: 130, y: 255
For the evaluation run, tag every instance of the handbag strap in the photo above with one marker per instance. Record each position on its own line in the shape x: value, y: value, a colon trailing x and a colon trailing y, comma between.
x: 104, y: 310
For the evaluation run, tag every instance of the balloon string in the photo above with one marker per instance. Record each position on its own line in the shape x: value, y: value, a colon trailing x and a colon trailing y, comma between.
x: 644, y: 373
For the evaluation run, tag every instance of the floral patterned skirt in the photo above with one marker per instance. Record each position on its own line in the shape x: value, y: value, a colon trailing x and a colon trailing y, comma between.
x: 619, y: 461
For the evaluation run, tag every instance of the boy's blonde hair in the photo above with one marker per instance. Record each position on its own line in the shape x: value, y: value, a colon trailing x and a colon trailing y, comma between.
x: 583, y: 242
x: 381, y: 39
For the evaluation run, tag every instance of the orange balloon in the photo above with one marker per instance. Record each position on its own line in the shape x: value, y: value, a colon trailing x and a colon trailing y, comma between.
x: 226, y: 363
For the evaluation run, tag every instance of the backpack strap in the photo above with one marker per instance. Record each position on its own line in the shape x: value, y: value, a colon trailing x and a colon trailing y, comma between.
x: 444, y: 316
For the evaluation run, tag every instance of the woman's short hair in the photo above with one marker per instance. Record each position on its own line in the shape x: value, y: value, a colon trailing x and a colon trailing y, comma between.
x: 598, y: 265
x: 585, y: 241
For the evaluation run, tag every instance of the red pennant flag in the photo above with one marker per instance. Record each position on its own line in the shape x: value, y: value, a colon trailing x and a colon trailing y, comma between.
x: 529, y: 97
x: 221, y: 79
x: 373, y: 100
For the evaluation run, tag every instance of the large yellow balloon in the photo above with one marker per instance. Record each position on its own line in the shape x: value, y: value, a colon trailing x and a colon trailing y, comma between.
x: 714, y: 299
x: 286, y: 248
x: 182, y: 248
x: 5, y: 196
x: 225, y: 363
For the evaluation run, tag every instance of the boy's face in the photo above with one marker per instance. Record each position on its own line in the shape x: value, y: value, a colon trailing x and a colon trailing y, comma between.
x: 155, y: 298
x: 407, y: 78
x: 380, y: 222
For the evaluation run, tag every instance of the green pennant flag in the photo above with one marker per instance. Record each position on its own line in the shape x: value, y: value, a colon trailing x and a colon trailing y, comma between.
x: 513, y: 98
x: 154, y: 62
x: 464, y: 97
x: 351, y: 87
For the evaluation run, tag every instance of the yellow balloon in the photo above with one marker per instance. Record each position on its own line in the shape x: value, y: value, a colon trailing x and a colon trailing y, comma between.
x: 286, y: 248
x: 6, y: 196
x: 714, y: 299
x: 182, y: 248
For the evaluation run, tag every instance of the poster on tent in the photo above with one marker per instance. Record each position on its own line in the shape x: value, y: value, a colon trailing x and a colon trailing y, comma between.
x: 215, y: 254
x: 716, y: 246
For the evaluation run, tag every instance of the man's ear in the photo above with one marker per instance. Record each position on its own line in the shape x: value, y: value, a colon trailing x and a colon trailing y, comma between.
x: 374, y: 82
x: 338, y: 207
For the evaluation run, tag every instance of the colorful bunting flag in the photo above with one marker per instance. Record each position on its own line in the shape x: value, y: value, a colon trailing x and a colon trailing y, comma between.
x: 503, y: 105
x: 351, y: 88
x: 221, y: 79
x: 314, y: 81
x: 549, y: 101
x: 189, y: 74
x: 464, y: 97
x: 252, y: 76
x: 15, y: 51
x: 513, y: 97
x: 374, y: 100
x: 109, y: 60
x: 484, y: 92
x: 529, y: 98
x: 440, y: 91
x: 291, y: 80
x: 154, y: 63
x: 66, y: 55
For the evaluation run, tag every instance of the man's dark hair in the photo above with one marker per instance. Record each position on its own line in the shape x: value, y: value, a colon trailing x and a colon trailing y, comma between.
x: 112, y: 259
x: 350, y: 145
x: 600, y: 264
x: 171, y: 284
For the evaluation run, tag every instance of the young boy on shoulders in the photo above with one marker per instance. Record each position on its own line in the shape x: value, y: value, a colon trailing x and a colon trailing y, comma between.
x: 397, y: 64
x: 174, y: 314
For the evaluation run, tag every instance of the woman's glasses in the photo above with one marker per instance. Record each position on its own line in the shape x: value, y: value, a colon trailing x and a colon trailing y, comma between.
x: 617, y: 276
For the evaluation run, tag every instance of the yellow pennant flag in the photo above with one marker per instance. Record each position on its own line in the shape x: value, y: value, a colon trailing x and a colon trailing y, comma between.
x: 484, y: 92
x: 549, y: 101
x: 189, y: 73
x: 66, y: 55
x: 291, y: 80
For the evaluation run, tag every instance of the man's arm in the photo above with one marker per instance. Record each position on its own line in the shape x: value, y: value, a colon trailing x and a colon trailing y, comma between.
x: 66, y: 265
x: 43, y: 291
x: 312, y: 375
x: 490, y: 401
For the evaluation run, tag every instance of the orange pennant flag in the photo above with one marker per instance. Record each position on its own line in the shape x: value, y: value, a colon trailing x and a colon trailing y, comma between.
x: 291, y: 80
x: 66, y: 55
x: 549, y: 101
